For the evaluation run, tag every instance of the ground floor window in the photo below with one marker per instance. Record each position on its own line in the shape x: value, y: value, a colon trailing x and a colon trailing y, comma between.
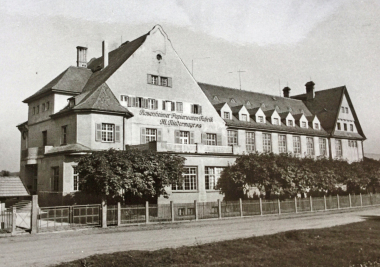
x: 322, y: 147
x: 267, y: 142
x: 310, y: 146
x: 250, y: 141
x: 338, y: 148
x: 232, y: 138
x: 282, y: 144
x: 55, y: 179
x: 297, y: 145
x: 75, y: 179
x: 190, y: 179
x: 212, y: 175
x: 150, y: 135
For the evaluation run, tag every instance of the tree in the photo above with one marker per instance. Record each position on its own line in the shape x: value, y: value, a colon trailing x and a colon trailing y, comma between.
x: 133, y: 174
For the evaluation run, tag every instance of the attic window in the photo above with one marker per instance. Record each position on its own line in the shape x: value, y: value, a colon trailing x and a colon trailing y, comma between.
x: 233, y: 100
x: 260, y: 119
x: 316, y: 126
x: 290, y: 109
x: 290, y: 122
x: 244, y: 117
x: 276, y: 121
x: 262, y: 105
x: 216, y: 98
x: 159, y: 57
x: 277, y: 108
x: 301, y: 110
x: 347, y: 110
x: 248, y: 103
x: 226, y: 115
x: 303, y: 124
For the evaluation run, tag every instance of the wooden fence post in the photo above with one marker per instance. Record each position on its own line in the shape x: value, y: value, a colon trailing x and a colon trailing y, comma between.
x: 147, y: 212
x: 104, y: 213
x: 324, y: 198
x: 337, y: 199
x: 219, y: 209
x: 261, y: 207
x: 241, y: 207
x: 34, y: 214
x: 279, y: 206
x: 370, y: 199
x: 311, y: 204
x: 118, y: 214
x: 172, y: 210
x: 349, y: 199
x: 295, y: 204
x: 361, y: 200
x: 196, y: 210
x: 14, y: 221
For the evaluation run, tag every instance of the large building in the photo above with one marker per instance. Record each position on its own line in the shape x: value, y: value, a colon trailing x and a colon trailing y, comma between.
x: 141, y: 94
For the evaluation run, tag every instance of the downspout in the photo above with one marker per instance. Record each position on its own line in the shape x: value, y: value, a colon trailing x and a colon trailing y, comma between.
x: 330, y: 154
x: 363, y: 149
x: 123, y: 133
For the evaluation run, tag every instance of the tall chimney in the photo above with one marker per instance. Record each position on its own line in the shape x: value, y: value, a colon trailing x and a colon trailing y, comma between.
x: 105, y: 53
x: 81, y: 56
x: 286, y: 91
x: 310, y: 94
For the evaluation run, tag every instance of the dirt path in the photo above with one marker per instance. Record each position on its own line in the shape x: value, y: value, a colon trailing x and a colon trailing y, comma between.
x: 52, y: 248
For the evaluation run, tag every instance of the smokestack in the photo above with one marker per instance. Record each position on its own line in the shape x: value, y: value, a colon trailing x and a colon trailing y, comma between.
x: 105, y: 53
x: 286, y: 91
x: 310, y: 94
x: 81, y: 56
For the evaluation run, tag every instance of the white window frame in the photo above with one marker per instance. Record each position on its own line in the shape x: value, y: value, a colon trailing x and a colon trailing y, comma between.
x: 226, y: 115
x: 297, y: 145
x: 150, y: 135
x: 323, y: 146
x: 244, y: 117
x: 250, y: 141
x: 190, y: 180
x: 276, y: 121
x: 211, y: 139
x: 282, y: 145
x: 232, y: 137
x: 338, y: 148
x: 310, y: 146
x: 184, y: 137
x: 76, y: 186
x: 260, y: 119
x: 155, y: 79
x: 267, y: 142
x: 108, y: 132
x: 290, y: 123
x: 212, y: 175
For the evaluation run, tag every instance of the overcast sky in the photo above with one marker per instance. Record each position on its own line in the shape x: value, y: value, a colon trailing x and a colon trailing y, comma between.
x: 334, y: 43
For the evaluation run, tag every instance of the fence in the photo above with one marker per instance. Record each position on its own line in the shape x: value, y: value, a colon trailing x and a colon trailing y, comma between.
x: 6, y: 220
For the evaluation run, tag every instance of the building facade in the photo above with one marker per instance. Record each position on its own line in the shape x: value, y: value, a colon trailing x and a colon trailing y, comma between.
x: 142, y: 95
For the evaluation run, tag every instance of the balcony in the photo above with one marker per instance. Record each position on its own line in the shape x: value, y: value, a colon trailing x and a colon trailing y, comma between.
x: 31, y: 154
x: 188, y: 148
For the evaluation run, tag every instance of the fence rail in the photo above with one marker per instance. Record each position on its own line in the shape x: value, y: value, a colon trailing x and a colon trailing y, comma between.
x: 5, y: 220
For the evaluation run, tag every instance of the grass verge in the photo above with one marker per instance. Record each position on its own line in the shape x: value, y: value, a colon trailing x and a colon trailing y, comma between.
x: 356, y: 244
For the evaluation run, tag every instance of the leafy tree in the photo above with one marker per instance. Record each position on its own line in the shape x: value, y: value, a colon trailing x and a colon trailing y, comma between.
x: 132, y: 174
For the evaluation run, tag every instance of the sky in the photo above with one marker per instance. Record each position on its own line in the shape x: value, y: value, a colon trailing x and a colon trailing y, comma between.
x: 274, y: 43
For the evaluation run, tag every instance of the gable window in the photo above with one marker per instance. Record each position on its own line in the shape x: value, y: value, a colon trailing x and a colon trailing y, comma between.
x: 75, y: 179
x: 232, y: 137
x: 164, y: 81
x: 64, y: 135
x: 322, y: 147
x: 260, y: 118
x: 303, y: 124
x: 351, y: 127
x: 316, y: 126
x: 342, y: 109
x: 190, y: 180
x: 267, y: 142
x: 212, y: 175
x: 310, y: 146
x: 290, y: 122
x: 211, y: 139
x: 179, y: 107
x: 345, y: 126
x: 158, y: 80
x: 347, y: 110
x: 196, y: 109
x: 276, y: 121
x: 338, y: 125
x: 282, y: 143
x: 338, y: 148
x: 250, y: 141
x: 54, y: 183
x: 297, y: 145
x: 244, y: 117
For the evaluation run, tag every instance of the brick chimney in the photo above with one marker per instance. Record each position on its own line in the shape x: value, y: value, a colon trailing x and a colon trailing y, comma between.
x: 105, y: 53
x: 81, y: 56
x: 310, y: 94
x: 286, y: 91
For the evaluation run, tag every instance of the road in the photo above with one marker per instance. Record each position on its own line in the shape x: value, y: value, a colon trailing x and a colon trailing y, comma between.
x: 52, y: 248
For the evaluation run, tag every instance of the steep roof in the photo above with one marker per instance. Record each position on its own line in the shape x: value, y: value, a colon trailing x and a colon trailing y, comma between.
x: 326, y: 105
x: 72, y: 81
x: 12, y: 187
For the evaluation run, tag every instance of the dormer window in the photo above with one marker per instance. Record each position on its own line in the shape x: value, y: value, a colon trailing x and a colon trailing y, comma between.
x: 303, y: 124
x: 216, y: 98
x: 316, y: 126
x: 244, y: 117
x: 226, y: 115
x: 276, y: 121
x: 233, y: 100
x: 248, y: 103
x: 290, y: 123
x: 260, y: 119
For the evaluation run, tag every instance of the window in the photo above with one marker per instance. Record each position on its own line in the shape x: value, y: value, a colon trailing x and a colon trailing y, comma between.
x: 226, y: 115
x: 55, y: 179
x: 47, y: 105
x: 276, y: 121
x: 190, y: 180
x: 64, y: 135
x: 184, y: 137
x: 282, y: 143
x: 345, y: 126
x: 290, y: 122
x: 267, y: 142
x: 342, y: 109
x: 316, y: 126
x: 157, y: 80
x: 338, y: 126
x: 297, y: 145
x: 196, y: 109
x: 351, y: 127
x: 108, y: 132
x: 151, y: 103
x: 347, y: 110
x: 310, y: 146
x: 150, y: 135
x: 38, y: 109
x: 322, y: 147
x: 164, y: 81
x: 260, y: 119
x: 211, y: 139
x: 232, y: 138
x: 181, y: 211
x: 244, y: 117
x: 303, y: 124
x: 43, y: 107
x: 75, y: 179
x: 124, y: 98
x: 250, y: 141
x: 34, y: 110
x: 154, y: 79
x: 212, y: 175
x: 338, y: 148
x: 179, y: 107
x: 44, y: 138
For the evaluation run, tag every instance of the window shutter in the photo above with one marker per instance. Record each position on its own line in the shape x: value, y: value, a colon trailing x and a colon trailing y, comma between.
x: 191, y: 137
x: 129, y: 99
x: 199, y: 109
x: 173, y: 106
x: 169, y: 82
x: 218, y: 139
x: 163, y: 105
x: 159, y: 135
x: 155, y: 104
x: 117, y: 133
x: 143, y: 139
x: 149, y: 79
x: 204, y: 138
x: 98, y: 134
x: 176, y: 136
x: 145, y: 103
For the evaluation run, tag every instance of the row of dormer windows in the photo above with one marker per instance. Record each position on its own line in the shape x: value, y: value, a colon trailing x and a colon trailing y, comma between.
x: 44, y: 107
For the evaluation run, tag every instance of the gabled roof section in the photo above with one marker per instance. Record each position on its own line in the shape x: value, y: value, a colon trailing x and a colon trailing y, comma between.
x: 71, y: 81
x: 12, y: 187
x: 326, y: 105
x: 219, y: 106
x: 236, y: 109
x: 269, y: 113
